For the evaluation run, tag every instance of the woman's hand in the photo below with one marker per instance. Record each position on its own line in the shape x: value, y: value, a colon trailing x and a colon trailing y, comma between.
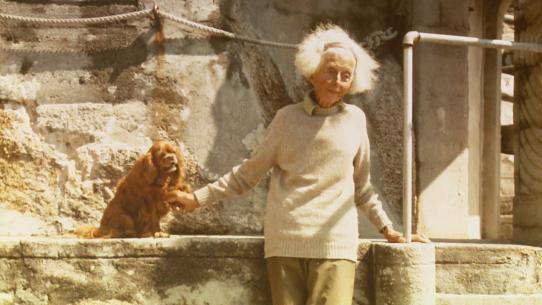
x: 393, y: 236
x: 184, y: 202
x: 396, y: 237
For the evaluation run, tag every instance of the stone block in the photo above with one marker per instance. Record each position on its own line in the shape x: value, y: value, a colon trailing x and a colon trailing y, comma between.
x: 507, y: 205
x: 487, y: 269
x: 195, y: 270
x: 488, y: 299
x: 506, y: 228
x: 84, y: 120
x: 528, y: 211
x: 404, y: 274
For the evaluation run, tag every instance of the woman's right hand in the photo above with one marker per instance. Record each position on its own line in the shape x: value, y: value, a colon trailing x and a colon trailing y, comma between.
x: 184, y: 202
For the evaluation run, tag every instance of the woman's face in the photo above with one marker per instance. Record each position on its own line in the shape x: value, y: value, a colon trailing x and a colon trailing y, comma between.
x: 333, y: 78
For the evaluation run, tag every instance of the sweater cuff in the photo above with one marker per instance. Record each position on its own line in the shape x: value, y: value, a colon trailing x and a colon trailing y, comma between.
x: 381, y: 222
x: 203, y: 195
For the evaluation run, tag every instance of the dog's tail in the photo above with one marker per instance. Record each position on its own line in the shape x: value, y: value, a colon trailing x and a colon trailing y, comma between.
x: 88, y: 232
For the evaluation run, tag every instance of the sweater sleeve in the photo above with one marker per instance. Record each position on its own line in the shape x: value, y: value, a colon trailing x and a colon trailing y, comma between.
x: 365, y: 197
x: 245, y: 176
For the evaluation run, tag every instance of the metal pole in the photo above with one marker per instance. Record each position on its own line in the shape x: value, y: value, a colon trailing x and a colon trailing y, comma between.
x: 477, y: 42
x: 409, y: 40
x: 408, y: 44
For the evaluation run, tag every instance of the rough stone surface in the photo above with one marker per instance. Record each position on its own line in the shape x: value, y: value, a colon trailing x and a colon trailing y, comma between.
x: 488, y: 269
x: 527, y: 148
x: 404, y: 274
x: 194, y: 270
x: 511, y: 299
x: 200, y: 270
x: 72, y: 123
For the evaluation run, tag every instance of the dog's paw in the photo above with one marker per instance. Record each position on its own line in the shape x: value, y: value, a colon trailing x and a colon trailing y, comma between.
x: 161, y: 235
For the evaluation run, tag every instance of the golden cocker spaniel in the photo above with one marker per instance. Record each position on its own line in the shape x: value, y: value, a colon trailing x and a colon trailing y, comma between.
x: 142, y: 196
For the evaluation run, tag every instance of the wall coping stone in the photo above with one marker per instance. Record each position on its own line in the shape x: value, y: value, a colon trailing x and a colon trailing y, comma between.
x: 250, y: 246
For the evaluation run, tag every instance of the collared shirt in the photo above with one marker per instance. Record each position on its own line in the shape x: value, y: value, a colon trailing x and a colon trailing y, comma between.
x: 310, y: 105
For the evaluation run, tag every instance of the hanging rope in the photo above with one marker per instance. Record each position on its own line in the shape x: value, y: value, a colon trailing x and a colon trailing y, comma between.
x: 222, y: 33
x: 372, y: 41
x: 76, y: 21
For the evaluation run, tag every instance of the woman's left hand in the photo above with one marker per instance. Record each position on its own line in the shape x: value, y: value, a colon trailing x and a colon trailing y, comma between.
x: 396, y: 237
x: 393, y: 236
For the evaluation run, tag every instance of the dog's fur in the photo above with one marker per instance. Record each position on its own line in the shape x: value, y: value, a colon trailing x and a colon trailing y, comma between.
x: 142, y: 196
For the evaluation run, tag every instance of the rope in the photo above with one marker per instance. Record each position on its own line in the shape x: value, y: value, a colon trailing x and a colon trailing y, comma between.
x: 372, y: 41
x: 219, y: 32
x: 58, y: 50
x: 72, y: 21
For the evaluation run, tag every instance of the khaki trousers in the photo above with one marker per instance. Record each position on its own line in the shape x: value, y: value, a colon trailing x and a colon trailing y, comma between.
x: 303, y: 281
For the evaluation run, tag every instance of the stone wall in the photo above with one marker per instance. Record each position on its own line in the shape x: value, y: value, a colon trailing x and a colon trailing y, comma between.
x: 226, y: 270
x: 73, y: 118
x: 527, y: 126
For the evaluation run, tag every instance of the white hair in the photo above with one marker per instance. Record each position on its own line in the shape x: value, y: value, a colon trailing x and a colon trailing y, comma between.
x: 315, y: 44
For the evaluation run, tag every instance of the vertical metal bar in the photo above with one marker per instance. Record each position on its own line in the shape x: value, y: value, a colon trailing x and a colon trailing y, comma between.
x: 407, y: 141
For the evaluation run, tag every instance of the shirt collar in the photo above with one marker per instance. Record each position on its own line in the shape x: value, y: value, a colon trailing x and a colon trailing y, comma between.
x: 310, y: 105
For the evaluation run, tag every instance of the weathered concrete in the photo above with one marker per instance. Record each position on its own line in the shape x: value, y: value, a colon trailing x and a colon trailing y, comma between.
x: 200, y: 270
x: 493, y: 29
x: 488, y: 269
x: 506, y: 197
x: 404, y: 274
x: 194, y: 270
x: 527, y: 114
x: 527, y: 216
x: 447, y: 119
x: 475, y: 102
x: 478, y: 299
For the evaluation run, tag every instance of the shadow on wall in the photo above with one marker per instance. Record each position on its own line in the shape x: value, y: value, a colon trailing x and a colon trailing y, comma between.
x: 260, y: 80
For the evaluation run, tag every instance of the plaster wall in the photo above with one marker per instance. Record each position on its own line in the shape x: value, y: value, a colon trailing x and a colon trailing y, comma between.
x: 448, y: 82
x: 475, y: 120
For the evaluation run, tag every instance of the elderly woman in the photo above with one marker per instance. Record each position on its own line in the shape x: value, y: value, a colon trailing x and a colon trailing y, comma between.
x: 318, y: 151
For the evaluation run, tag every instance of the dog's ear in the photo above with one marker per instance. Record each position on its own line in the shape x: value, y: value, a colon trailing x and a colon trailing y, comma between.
x: 149, y: 170
x: 179, y: 177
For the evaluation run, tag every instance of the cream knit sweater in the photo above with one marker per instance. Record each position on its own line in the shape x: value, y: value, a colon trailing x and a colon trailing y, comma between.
x: 320, y: 162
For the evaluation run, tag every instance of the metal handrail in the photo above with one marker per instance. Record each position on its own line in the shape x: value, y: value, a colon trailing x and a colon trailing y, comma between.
x: 409, y: 40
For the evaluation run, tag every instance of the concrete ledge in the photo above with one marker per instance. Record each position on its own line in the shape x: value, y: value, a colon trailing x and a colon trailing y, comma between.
x: 479, y: 299
x: 178, y: 246
x: 488, y: 269
x: 177, y: 270
x: 228, y: 270
x: 194, y: 270
x: 175, y: 245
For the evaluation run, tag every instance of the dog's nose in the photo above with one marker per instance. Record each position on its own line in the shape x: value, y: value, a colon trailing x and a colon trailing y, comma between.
x: 171, y: 159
